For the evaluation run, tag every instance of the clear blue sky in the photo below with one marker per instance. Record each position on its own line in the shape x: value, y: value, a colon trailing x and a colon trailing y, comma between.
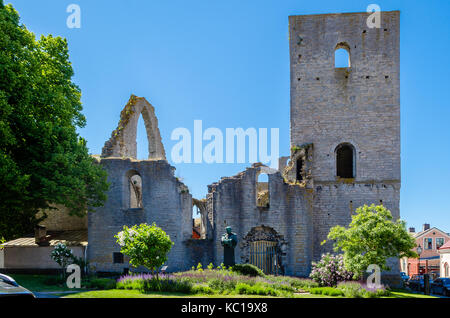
x: 227, y: 63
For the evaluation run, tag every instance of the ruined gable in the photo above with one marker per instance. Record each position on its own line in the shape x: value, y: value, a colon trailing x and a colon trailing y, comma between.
x: 123, y: 139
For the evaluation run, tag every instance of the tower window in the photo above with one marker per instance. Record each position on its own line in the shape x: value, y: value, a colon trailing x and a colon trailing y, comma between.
x: 345, y: 163
x: 342, y: 55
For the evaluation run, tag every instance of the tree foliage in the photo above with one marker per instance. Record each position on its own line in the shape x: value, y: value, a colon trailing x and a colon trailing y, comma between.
x: 371, y: 238
x: 43, y: 161
x: 146, y: 245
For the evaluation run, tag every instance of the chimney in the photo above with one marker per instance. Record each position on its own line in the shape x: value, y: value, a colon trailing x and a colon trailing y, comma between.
x: 40, y: 235
x: 412, y: 230
x: 426, y: 226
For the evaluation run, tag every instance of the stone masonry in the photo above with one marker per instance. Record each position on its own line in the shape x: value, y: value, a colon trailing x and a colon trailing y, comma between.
x: 356, y: 106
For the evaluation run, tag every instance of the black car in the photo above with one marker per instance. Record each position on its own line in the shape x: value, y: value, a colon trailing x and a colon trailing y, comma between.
x: 441, y: 286
x: 9, y: 288
x: 417, y: 283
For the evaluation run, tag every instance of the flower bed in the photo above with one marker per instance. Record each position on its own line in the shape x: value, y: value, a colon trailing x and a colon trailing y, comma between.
x: 217, y: 281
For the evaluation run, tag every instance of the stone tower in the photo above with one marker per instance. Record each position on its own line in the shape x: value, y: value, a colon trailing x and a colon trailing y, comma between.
x: 350, y: 115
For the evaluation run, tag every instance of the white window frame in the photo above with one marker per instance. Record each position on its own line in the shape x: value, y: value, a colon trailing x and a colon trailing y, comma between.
x: 425, y: 245
x: 435, y: 241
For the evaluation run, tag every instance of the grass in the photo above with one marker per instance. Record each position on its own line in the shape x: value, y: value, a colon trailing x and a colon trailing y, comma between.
x: 37, y: 283
x: 407, y: 294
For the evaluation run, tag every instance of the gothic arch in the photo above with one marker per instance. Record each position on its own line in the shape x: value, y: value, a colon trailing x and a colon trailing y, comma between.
x: 123, y: 139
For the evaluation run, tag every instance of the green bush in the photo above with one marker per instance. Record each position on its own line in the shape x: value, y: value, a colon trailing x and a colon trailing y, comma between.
x: 248, y: 270
x: 101, y: 283
x: 327, y: 291
x: 356, y: 290
x: 221, y: 285
x: 298, y: 283
x: 257, y: 289
x: 202, y: 289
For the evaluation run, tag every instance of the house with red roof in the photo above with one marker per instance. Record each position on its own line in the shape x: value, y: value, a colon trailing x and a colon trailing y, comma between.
x: 444, y: 253
x: 430, y: 240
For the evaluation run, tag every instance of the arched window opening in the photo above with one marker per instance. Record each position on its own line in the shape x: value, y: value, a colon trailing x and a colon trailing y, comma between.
x: 142, y: 151
x: 342, y: 56
x: 345, y: 161
x: 446, y: 270
x: 299, y: 171
x: 135, y: 181
x: 262, y: 190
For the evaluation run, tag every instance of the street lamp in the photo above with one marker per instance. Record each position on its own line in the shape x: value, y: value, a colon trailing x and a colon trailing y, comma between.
x: 419, y: 251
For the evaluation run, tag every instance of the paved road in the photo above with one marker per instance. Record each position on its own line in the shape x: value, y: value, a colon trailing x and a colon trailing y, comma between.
x: 56, y: 294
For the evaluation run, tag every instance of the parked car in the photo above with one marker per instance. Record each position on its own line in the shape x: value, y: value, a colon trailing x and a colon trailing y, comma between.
x: 417, y: 282
x: 441, y: 286
x: 404, y: 277
x: 9, y: 288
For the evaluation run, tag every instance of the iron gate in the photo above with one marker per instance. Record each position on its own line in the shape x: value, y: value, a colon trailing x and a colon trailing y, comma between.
x: 264, y: 255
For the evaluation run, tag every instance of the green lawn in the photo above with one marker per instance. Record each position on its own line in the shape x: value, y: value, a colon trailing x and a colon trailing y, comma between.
x: 39, y: 283
x: 406, y: 294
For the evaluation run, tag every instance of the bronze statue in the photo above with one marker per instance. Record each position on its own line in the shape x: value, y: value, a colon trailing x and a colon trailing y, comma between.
x: 229, y: 242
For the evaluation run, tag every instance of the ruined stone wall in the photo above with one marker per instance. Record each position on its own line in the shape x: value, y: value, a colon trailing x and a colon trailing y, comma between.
x: 166, y: 201
x: 233, y: 201
x: 61, y: 220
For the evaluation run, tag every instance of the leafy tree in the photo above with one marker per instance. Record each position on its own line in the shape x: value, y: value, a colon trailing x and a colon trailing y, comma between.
x: 43, y: 161
x: 146, y: 245
x: 62, y: 255
x: 371, y: 238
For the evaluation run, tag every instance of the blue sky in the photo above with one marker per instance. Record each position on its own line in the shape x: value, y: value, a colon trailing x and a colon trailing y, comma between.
x: 227, y: 63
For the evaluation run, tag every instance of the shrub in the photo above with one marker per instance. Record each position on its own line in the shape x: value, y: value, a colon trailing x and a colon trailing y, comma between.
x: 223, y: 284
x: 298, y: 283
x: 358, y: 290
x: 257, y: 289
x: 146, y: 245
x: 330, y: 270
x: 147, y: 283
x: 62, y: 255
x: 327, y: 291
x: 247, y: 269
x: 202, y: 289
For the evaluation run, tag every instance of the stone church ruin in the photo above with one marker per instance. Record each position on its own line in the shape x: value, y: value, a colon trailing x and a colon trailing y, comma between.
x: 345, y: 152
